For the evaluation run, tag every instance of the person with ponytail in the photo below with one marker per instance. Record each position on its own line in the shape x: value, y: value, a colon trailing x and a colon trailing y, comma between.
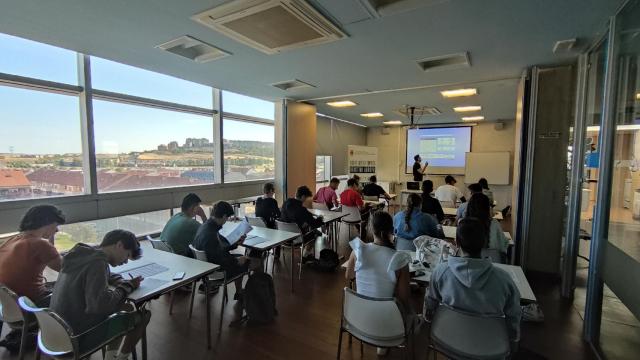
x: 412, y: 222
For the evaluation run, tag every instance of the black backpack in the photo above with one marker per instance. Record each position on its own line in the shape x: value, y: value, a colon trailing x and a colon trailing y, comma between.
x: 327, y: 262
x: 260, y: 299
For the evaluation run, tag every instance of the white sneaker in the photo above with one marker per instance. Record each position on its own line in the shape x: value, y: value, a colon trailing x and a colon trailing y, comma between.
x: 382, y: 351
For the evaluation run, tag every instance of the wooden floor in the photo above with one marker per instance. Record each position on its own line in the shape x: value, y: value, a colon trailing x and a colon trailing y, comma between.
x: 307, y: 327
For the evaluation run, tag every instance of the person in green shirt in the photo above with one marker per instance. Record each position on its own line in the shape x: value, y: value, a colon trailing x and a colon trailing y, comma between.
x: 181, y: 229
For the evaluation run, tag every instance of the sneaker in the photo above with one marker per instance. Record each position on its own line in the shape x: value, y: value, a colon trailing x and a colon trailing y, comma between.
x: 382, y: 351
x: 532, y: 313
x: 212, y: 289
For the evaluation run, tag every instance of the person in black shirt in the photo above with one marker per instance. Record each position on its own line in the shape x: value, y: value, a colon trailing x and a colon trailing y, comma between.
x: 431, y: 205
x: 217, y: 247
x: 418, y: 169
x: 267, y: 207
x: 295, y: 210
x: 373, y: 189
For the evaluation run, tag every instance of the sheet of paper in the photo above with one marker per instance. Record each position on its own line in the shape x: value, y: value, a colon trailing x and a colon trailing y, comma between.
x: 242, y: 229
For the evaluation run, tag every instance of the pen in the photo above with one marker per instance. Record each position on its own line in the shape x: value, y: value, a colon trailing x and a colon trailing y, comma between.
x: 131, y: 276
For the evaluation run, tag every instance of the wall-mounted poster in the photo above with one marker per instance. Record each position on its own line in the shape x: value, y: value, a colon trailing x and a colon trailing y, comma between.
x: 362, y: 160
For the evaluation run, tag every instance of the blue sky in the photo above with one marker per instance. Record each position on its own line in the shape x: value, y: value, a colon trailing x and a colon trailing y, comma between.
x: 42, y: 123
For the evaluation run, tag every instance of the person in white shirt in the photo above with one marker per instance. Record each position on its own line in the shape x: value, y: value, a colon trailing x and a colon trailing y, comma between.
x: 449, y: 192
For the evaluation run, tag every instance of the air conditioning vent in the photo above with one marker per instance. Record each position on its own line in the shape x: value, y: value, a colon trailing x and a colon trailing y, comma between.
x: 445, y: 62
x: 418, y: 111
x: 271, y: 26
x: 292, y: 85
x: 193, y: 49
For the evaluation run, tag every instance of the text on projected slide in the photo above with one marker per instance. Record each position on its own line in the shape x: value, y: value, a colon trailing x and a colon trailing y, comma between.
x: 441, y: 147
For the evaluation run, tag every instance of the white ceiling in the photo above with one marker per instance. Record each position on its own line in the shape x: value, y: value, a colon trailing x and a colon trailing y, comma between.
x: 503, y: 37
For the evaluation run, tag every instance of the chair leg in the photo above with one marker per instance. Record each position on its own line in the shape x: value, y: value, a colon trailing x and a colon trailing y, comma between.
x: 301, y: 259
x: 23, y: 339
x: 172, y: 295
x: 222, y: 310
x: 193, y: 294
x: 339, y: 344
x: 361, y: 349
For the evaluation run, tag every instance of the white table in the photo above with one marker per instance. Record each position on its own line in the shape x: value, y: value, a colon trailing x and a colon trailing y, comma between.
x: 264, y: 239
x: 449, y: 211
x: 450, y: 233
x: 331, y: 224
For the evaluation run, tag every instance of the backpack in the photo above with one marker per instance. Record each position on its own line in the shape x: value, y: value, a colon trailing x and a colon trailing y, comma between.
x: 327, y: 262
x: 260, y: 299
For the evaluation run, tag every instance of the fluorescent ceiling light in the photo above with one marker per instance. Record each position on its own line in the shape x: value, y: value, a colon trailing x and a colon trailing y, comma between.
x: 341, y: 104
x: 638, y: 96
x: 459, y: 93
x: 467, y: 108
x: 372, y: 115
x: 473, y: 118
x: 618, y: 128
x: 392, y: 122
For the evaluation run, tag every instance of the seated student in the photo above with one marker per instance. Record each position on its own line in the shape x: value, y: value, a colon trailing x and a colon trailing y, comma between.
x: 485, y: 189
x: 431, y: 205
x: 470, y: 283
x: 24, y: 256
x: 295, y: 210
x: 87, y: 293
x: 480, y: 208
x: 373, y: 189
x: 448, y: 192
x: 462, y: 209
x: 412, y: 222
x: 267, y: 206
x: 327, y: 194
x: 181, y: 229
x: 217, y: 247
x: 351, y: 196
x: 379, y: 270
x: 357, y: 179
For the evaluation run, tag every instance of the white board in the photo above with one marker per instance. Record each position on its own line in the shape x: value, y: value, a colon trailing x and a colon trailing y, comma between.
x: 493, y: 166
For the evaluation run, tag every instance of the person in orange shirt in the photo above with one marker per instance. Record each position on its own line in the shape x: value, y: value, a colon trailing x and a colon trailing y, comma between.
x: 24, y: 256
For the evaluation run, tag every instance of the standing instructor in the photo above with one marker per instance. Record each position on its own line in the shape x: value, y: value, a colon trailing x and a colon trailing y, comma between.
x: 418, y: 170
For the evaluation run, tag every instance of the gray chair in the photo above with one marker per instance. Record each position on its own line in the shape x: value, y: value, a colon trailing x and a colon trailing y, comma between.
x: 57, y: 340
x: 160, y: 245
x: 353, y: 218
x: 375, y: 321
x: 13, y: 316
x: 462, y: 335
x: 256, y: 221
x: 218, y: 278
x: 297, y: 243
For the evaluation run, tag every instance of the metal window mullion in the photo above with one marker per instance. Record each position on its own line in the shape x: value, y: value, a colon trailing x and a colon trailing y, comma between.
x: 39, y: 85
x: 158, y: 104
x: 593, y: 306
x: 218, y: 151
x: 86, y: 117
x: 246, y: 118
x: 574, y: 206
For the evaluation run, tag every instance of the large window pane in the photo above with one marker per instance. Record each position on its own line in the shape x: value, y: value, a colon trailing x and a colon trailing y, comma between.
x: 246, y: 105
x: 32, y: 59
x: 40, y: 145
x: 92, y: 232
x: 248, y: 151
x: 112, y: 76
x: 140, y: 147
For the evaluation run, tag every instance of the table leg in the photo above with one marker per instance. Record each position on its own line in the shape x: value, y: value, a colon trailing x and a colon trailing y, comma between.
x: 208, y: 311
x: 144, y: 343
x: 292, y: 260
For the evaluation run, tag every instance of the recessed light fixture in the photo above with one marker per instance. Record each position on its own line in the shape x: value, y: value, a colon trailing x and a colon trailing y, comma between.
x: 473, y: 118
x: 341, y: 104
x: 372, y: 115
x: 459, y: 92
x: 467, y: 108
x: 638, y: 96
x: 392, y: 122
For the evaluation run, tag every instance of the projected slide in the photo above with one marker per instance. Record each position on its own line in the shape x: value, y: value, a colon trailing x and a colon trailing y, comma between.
x: 443, y: 148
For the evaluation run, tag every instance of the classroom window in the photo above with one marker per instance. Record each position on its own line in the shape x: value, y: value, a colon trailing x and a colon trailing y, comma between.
x: 40, y: 146
x: 248, y: 151
x: 323, y: 168
x: 36, y: 60
x: 139, y: 147
x: 92, y: 232
x: 120, y: 78
x: 248, y: 106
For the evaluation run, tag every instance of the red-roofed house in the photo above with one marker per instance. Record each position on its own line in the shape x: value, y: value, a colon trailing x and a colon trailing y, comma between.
x: 14, y: 184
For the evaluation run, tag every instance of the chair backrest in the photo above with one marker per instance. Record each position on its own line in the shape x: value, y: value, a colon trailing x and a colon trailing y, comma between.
x: 376, y: 318
x: 319, y: 206
x: 371, y: 198
x: 447, y: 204
x: 256, y: 221
x: 160, y: 245
x: 353, y: 214
x: 290, y: 227
x: 9, y: 308
x: 460, y: 334
x: 198, y: 254
x: 55, y: 334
